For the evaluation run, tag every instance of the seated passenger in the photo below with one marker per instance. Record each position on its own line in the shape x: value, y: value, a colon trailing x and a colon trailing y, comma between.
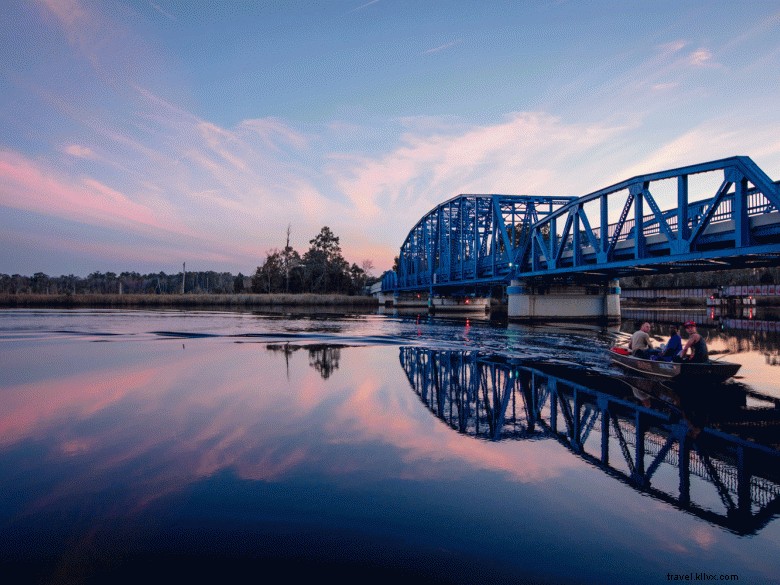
x: 695, y: 344
x: 673, y: 346
x: 641, y: 344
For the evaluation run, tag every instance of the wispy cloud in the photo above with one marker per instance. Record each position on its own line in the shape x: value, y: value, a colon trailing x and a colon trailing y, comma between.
x: 24, y: 184
x: 665, y: 86
x: 79, y: 151
x: 273, y: 130
x: 701, y: 57
x: 159, y: 9
x: 97, y: 38
x: 362, y: 6
x: 710, y: 140
x: 443, y: 47
x: 518, y: 155
x: 673, y: 47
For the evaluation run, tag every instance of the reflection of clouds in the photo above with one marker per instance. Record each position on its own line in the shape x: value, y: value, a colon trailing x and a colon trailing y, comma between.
x: 427, y: 447
x: 704, y: 536
x: 160, y: 419
x: 76, y: 447
x: 178, y: 417
x: 686, y: 540
x: 35, y: 408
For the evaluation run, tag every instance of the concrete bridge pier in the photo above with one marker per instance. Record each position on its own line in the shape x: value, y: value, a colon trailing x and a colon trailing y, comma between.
x: 443, y: 304
x: 565, y: 303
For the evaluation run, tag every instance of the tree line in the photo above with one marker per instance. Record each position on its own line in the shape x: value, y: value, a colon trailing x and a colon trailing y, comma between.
x: 321, y: 269
x: 124, y: 283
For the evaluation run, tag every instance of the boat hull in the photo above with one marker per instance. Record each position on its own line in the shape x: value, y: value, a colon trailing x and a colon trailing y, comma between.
x: 709, y: 372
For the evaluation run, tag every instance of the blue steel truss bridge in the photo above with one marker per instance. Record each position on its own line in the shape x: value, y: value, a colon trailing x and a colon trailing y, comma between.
x: 715, y: 215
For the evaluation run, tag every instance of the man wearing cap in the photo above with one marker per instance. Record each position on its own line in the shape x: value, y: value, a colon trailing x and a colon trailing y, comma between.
x: 695, y: 344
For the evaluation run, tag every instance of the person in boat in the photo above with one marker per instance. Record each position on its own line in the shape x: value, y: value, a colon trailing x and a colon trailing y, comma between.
x: 695, y: 345
x: 673, y: 346
x: 641, y: 345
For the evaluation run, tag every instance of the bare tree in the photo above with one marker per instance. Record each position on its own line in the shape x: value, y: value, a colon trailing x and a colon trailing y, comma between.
x: 287, y: 261
x: 367, y: 266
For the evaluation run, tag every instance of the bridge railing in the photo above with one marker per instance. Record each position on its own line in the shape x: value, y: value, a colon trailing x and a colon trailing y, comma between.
x: 758, y: 204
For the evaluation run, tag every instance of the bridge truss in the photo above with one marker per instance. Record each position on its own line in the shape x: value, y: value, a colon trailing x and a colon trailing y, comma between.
x: 719, y: 215
x: 470, y: 240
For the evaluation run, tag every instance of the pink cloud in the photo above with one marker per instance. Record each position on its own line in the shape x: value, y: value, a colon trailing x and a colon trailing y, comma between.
x: 28, y: 186
x: 673, y: 47
x: 72, y: 16
x: 272, y: 129
x: 701, y: 57
x: 219, y: 141
x: 431, y: 165
x: 79, y: 151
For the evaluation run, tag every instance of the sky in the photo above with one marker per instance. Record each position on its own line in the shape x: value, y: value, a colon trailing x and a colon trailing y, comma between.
x: 138, y: 135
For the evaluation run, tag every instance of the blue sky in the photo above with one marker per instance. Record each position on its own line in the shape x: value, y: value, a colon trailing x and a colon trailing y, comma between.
x: 138, y: 135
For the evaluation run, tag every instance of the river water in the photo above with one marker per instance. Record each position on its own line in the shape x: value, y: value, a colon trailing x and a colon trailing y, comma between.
x: 197, y: 446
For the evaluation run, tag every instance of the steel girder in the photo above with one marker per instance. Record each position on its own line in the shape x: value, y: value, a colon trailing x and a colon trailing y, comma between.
x: 735, y: 226
x: 470, y: 240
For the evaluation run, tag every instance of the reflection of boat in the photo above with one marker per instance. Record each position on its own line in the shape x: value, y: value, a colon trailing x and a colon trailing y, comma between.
x: 708, y: 372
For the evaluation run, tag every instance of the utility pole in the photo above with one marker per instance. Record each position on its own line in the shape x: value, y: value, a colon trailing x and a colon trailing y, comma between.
x: 287, y: 262
x: 183, y: 275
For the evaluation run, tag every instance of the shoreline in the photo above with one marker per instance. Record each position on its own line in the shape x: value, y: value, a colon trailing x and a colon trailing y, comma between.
x: 262, y: 300
x: 248, y: 300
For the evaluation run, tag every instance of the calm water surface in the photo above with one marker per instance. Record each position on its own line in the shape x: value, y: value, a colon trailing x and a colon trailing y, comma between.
x: 202, y: 446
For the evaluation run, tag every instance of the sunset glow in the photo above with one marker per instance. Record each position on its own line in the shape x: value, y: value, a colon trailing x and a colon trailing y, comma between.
x: 167, y: 132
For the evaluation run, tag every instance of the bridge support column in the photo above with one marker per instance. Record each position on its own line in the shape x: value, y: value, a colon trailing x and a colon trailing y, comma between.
x: 599, y: 303
x: 385, y: 300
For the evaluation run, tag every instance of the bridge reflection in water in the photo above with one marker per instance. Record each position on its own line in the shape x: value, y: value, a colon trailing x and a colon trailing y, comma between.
x: 718, y: 459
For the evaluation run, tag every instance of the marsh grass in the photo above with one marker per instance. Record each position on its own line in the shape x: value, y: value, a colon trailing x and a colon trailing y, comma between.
x: 185, y: 300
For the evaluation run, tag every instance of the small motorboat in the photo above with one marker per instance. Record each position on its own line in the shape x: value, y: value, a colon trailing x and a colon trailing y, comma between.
x: 709, y: 372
